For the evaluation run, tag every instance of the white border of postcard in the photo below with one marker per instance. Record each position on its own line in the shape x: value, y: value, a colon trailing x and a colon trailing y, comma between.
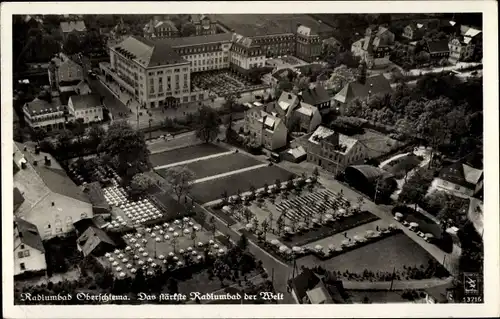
x: 491, y: 126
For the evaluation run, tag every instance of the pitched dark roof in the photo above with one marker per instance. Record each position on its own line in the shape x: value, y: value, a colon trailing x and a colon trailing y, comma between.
x: 95, y: 194
x: 148, y: 52
x: 28, y: 234
x: 370, y: 172
x: 438, y: 46
x: 54, y: 177
x: 374, y: 85
x: 315, y: 96
x: 82, y: 102
x: 58, y: 182
x: 38, y: 107
x: 91, y: 238
x: 307, y: 280
x: 18, y: 198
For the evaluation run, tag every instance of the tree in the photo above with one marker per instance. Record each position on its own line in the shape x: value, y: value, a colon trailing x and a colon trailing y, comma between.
x: 416, y: 187
x: 193, y: 237
x: 341, y: 75
x: 127, y: 146
x: 265, y: 227
x: 208, y: 125
x: 179, y: 178
x: 65, y: 141
x: 362, y: 70
x: 242, y: 242
x: 302, y: 83
x: 247, y: 214
x: 280, y: 224
x: 187, y: 30
x: 283, y: 85
x: 38, y: 134
x: 422, y: 57
x: 72, y: 44
x: 95, y: 134
x: 140, y: 184
x: 221, y: 270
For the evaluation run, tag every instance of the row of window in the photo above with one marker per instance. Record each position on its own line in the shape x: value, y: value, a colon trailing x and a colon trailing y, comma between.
x: 24, y: 253
x: 204, y: 48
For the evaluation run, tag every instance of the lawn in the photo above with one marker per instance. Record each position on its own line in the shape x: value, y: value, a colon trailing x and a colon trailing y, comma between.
x: 385, y: 255
x: 185, y: 154
x: 222, y: 164
x: 212, y: 189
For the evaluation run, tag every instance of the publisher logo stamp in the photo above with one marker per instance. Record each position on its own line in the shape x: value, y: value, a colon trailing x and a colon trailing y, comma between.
x: 471, y: 283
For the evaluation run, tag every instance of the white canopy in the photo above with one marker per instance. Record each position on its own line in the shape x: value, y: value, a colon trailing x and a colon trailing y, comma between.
x: 318, y: 247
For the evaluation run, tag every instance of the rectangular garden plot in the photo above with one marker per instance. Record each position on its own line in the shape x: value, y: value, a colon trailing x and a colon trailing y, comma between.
x: 394, y: 252
x: 222, y: 164
x: 212, y: 189
x: 185, y: 154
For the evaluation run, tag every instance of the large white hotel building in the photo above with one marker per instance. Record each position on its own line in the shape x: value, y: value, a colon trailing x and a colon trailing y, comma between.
x: 157, y: 71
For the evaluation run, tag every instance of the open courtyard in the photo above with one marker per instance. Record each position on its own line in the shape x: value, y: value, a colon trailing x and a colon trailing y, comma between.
x: 223, y: 83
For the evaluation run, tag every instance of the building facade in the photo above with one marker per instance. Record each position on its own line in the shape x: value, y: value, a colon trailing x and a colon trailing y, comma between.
x: 88, y: 107
x: 76, y: 28
x: 64, y: 72
x: 160, y: 29
x: 52, y: 202
x: 333, y: 151
x: 44, y: 115
x: 203, y: 24
x: 265, y: 129
x: 29, y: 253
x: 246, y: 54
x: 464, y: 45
x: 309, y: 45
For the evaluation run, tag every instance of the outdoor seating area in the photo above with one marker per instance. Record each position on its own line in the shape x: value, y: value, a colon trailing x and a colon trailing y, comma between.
x: 141, y: 211
x: 299, y: 208
x: 164, y: 247
x: 223, y: 83
x: 115, y: 195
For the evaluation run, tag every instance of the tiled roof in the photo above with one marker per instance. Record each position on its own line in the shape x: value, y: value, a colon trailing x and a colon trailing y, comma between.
x: 297, y: 152
x: 39, y: 107
x: 54, y: 177
x: 461, y: 174
x: 320, y: 133
x: 316, y: 95
x: 319, y: 295
x: 95, y: 194
x: 165, y: 23
x: 147, y: 52
x: 91, y: 238
x: 302, y: 29
x: 438, y: 46
x: 304, y: 282
x: 286, y: 100
x: 29, y: 234
x: 73, y: 26
x: 18, y: 197
x: 196, y: 40
x: 82, y: 102
x: 374, y: 85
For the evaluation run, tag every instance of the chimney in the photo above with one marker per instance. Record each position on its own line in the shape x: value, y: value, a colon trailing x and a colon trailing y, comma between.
x: 35, y: 163
x: 289, y: 96
x: 37, y: 150
x: 53, y: 204
x: 47, y: 161
x: 23, y: 165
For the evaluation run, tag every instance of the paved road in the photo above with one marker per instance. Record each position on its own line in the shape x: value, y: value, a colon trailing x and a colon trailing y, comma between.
x: 114, y: 105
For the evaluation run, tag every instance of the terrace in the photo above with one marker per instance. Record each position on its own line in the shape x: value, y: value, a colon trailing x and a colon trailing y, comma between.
x: 163, y: 247
x: 223, y: 83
